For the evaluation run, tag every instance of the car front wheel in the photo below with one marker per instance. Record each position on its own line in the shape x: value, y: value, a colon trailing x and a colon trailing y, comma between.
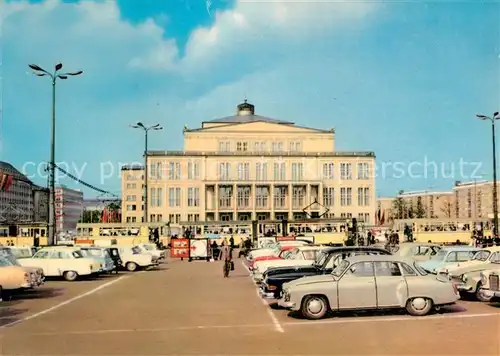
x: 481, y: 296
x: 131, y: 266
x: 419, y: 306
x: 70, y: 276
x: 314, y: 307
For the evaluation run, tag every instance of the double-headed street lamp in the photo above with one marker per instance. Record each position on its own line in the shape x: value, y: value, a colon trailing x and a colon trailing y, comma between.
x: 54, y: 76
x: 146, y: 129
x: 493, y: 118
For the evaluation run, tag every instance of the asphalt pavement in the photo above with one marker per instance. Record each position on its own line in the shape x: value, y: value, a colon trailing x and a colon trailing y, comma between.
x: 189, y: 308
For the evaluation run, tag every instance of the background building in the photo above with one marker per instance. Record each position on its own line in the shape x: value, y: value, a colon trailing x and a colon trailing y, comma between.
x: 247, y: 167
x: 21, y: 201
x: 93, y: 210
x: 426, y: 204
x: 69, y: 208
x: 473, y: 199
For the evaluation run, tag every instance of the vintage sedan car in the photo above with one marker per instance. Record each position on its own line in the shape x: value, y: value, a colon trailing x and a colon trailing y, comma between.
x: 68, y: 262
x: 8, y: 254
x: 490, y: 281
x: 102, y: 255
x: 447, y: 256
x: 14, y: 278
x: 161, y: 255
x: 467, y: 275
x: 133, y: 258
x: 326, y: 261
x: 299, y: 256
x: 369, y: 282
x: 274, y: 248
x: 278, y: 254
x: 416, y: 250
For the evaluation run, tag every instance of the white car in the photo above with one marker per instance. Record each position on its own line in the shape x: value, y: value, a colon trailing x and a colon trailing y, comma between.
x: 67, y: 262
x: 300, y: 256
x: 273, y: 249
x: 153, y: 249
x: 134, y: 258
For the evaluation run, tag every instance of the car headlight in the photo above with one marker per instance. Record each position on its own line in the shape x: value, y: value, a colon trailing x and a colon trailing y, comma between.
x: 464, y: 277
x: 484, y: 280
x: 286, y: 295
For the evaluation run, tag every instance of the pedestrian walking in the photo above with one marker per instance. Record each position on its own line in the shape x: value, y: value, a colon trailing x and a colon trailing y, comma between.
x: 226, y: 257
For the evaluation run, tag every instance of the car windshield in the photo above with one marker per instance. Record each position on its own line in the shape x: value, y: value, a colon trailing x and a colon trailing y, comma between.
x: 310, y: 254
x: 5, y: 262
x: 439, y: 256
x: 77, y: 254
x: 321, y: 259
x: 337, y: 272
x: 94, y: 252
x: 420, y: 270
x: 136, y: 250
x: 287, y: 255
x: 481, y: 255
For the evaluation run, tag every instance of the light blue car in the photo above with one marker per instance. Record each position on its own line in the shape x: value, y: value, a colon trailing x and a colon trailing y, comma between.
x: 101, y: 255
x: 447, y: 255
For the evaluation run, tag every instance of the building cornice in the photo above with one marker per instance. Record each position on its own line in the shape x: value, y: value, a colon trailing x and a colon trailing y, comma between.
x: 258, y: 154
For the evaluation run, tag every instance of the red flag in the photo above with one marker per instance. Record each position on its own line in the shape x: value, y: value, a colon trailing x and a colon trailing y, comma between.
x: 8, y: 183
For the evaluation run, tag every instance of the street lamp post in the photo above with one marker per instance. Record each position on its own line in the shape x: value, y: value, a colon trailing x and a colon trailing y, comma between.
x: 54, y: 76
x: 146, y: 129
x: 495, y: 201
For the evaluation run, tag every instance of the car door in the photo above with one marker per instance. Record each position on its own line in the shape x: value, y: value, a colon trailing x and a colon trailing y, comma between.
x: 356, y: 288
x: 41, y: 260
x: 56, y: 263
x: 392, y: 289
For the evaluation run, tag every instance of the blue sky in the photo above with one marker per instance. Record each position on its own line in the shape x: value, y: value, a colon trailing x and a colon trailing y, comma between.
x: 403, y: 79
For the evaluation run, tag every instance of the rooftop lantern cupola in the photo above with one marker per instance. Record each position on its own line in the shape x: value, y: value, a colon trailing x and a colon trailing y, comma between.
x: 245, y: 108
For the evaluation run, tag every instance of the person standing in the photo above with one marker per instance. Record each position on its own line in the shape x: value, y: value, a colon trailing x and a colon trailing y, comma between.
x: 226, y: 257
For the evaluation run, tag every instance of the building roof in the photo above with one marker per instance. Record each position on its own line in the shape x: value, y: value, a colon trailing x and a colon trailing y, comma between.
x: 239, y: 119
x: 422, y: 193
x: 262, y: 154
x: 11, y: 170
x: 133, y: 167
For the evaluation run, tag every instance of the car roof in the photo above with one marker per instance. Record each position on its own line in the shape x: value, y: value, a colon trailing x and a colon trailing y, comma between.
x: 461, y: 248
x: 310, y: 247
x: 66, y: 248
x: 380, y: 258
x: 353, y: 248
x: 411, y: 244
x: 492, y: 248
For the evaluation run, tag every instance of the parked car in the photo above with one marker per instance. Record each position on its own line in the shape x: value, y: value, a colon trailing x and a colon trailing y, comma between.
x: 20, y: 251
x: 416, y: 250
x: 369, y: 282
x: 274, y: 248
x: 115, y: 256
x: 467, y: 275
x: 448, y: 255
x: 154, y: 250
x: 38, y: 272
x: 134, y: 258
x: 327, y: 259
x: 68, y: 262
x: 299, y: 256
x: 279, y: 253
x: 14, y: 278
x: 102, y: 255
x: 490, y: 281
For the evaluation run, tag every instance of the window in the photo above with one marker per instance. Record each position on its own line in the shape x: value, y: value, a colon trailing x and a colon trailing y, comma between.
x: 297, y: 171
x: 295, y: 146
x: 364, y: 217
x: 193, y: 197
x: 243, y: 197
x: 174, y: 171
x: 345, y: 171
x: 243, y: 171
x: 131, y: 207
x: 131, y: 185
x: 387, y: 269
x: 328, y: 196
x: 345, y: 196
x: 328, y: 171
x: 193, y: 170
x: 363, y: 196
x: 224, y: 146
x: 261, y: 171
x: 361, y: 269
x: 262, y: 196
x: 260, y: 146
x: 363, y: 171
x: 156, y: 170
x: 174, y: 197
x: 459, y: 256
x: 225, y: 171
x: 279, y: 171
x: 225, y: 196
x: 193, y: 217
x: 277, y: 147
x: 280, y: 197
x: 407, y: 270
x: 152, y: 198
x: 131, y: 197
x: 241, y: 146
x: 298, y: 197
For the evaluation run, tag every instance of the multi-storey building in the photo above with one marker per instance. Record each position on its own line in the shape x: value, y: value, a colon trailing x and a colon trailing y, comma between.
x: 473, y: 200
x: 69, y: 208
x: 250, y: 167
x: 23, y: 201
x: 436, y: 205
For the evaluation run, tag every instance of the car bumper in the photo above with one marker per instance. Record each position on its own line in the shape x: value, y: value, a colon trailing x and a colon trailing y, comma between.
x: 462, y: 287
x: 265, y: 293
x: 490, y: 294
x: 257, y: 277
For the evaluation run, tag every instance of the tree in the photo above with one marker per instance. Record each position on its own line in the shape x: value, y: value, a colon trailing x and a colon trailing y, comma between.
x: 447, y: 207
x: 90, y: 216
x: 419, y: 211
x: 399, y: 208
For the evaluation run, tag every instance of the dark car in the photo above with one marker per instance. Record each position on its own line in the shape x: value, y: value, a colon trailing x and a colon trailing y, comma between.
x: 326, y: 261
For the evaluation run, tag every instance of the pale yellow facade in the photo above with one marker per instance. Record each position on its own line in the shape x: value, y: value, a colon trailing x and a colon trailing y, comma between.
x: 436, y: 204
x: 474, y: 200
x: 249, y: 167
